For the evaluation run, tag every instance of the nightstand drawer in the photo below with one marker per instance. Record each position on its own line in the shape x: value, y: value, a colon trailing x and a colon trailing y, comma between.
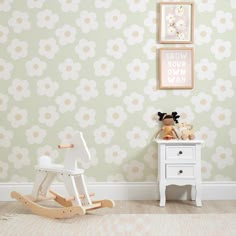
x: 180, y: 152
x: 180, y: 171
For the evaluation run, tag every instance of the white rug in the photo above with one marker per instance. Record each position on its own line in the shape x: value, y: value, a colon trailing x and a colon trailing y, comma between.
x: 123, y: 224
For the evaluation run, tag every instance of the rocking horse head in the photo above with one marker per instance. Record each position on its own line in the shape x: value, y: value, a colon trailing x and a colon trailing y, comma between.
x: 77, y: 148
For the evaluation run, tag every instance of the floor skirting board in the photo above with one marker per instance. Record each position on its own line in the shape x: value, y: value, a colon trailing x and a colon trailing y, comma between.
x: 133, y: 190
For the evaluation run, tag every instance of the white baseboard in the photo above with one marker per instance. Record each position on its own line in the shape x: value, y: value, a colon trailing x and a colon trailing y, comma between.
x: 133, y: 190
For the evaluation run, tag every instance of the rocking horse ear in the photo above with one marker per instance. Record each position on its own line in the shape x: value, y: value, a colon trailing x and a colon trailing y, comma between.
x: 161, y: 115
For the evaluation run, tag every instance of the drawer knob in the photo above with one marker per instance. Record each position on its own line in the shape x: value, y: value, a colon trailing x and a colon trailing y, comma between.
x: 181, y: 171
x: 180, y: 152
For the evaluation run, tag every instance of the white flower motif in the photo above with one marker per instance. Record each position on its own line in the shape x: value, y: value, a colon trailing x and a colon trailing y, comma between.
x: 69, y: 6
x: 151, y: 21
x: 115, y: 154
x: 19, y: 179
x: 48, y: 115
x: 103, y: 67
x: 35, y: 135
x: 222, y: 178
x: 69, y: 69
x: 134, y: 170
x: 152, y: 91
x: 150, y: 157
x: 150, y: 49
x: 92, y: 162
x: 182, y: 92
x: 3, y: 170
x: 114, y: 87
x: 35, y: 67
x: 67, y: 134
x: 48, y: 151
x: 186, y: 114
x: 206, y: 169
x: 202, y: 34
x: 4, y: 31
x: 207, y: 135
x: 134, y: 102
x: 19, y: 21
x: 5, y: 5
x: 232, y: 134
x: 85, y: 49
x: 221, y: 49
x: 201, y: 102
x: 223, y: 157
x: 232, y: 67
x: 19, y: 157
x: 48, y: 48
x: 114, y: 19
x: 66, y: 102
x: 5, y: 69
x: 115, y: 178
x: 233, y: 3
x: 116, y: 48
x: 87, y: 21
x: 47, y: 87
x: 137, y: 6
x: 66, y: 34
x: 3, y: 102
x: 17, y: 117
x: 223, y: 89
x: 221, y: 117
x: 148, y: 117
x: 87, y: 89
x: 137, y: 137
x: 35, y: 3
x: 205, y: 5
x: 116, y: 116
x: 85, y: 117
x: 103, y: 3
x: 5, y: 137
x: 47, y: 19
x: 17, y: 49
x: 223, y: 21
x: 19, y: 89
x: 103, y: 135
x: 134, y: 34
x: 137, y: 69
x: 205, y: 69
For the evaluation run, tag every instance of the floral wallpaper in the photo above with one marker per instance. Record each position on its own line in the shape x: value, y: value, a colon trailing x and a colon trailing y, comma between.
x: 92, y: 66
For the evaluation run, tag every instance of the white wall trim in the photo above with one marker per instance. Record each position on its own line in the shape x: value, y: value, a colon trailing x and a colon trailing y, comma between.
x: 133, y: 190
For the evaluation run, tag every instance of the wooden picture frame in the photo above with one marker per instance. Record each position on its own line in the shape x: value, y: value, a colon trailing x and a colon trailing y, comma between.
x: 176, y: 68
x: 176, y: 22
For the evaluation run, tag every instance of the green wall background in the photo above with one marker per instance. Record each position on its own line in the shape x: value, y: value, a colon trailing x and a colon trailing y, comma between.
x: 92, y: 66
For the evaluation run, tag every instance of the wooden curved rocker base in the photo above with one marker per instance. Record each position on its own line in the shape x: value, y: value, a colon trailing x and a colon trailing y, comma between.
x: 66, y: 211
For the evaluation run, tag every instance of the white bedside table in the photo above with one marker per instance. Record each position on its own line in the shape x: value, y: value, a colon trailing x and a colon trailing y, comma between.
x: 179, y: 163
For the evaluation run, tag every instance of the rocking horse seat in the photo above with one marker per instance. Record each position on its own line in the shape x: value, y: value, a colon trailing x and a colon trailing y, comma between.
x: 57, y: 168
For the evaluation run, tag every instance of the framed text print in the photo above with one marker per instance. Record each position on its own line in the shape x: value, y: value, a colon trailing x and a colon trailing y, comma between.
x: 176, y: 68
x: 176, y: 22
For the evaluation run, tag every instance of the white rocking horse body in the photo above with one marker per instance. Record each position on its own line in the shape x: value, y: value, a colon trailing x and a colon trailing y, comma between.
x: 73, y: 179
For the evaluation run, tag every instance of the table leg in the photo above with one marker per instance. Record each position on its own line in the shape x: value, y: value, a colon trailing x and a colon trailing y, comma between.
x: 162, y: 189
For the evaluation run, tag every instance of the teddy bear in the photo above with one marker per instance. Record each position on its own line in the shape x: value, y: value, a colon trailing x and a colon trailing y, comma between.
x: 186, y: 131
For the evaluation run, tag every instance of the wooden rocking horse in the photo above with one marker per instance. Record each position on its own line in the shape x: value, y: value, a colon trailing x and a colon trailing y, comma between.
x: 74, y: 182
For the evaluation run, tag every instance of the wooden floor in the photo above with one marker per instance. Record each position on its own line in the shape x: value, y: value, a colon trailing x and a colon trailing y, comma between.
x: 142, y: 207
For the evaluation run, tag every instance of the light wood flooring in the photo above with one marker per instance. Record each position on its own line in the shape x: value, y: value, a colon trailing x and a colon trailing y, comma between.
x: 142, y: 207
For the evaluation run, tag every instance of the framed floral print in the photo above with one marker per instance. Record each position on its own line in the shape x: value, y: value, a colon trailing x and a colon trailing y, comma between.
x: 176, y: 68
x: 176, y: 22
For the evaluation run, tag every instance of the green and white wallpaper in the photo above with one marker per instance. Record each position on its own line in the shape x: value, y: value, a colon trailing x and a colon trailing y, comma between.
x: 91, y: 65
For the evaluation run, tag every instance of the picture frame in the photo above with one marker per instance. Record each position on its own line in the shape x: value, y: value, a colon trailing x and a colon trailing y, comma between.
x: 176, y: 68
x: 176, y: 23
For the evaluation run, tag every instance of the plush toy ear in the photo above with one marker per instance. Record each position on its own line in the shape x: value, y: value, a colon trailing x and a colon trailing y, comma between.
x: 161, y: 115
